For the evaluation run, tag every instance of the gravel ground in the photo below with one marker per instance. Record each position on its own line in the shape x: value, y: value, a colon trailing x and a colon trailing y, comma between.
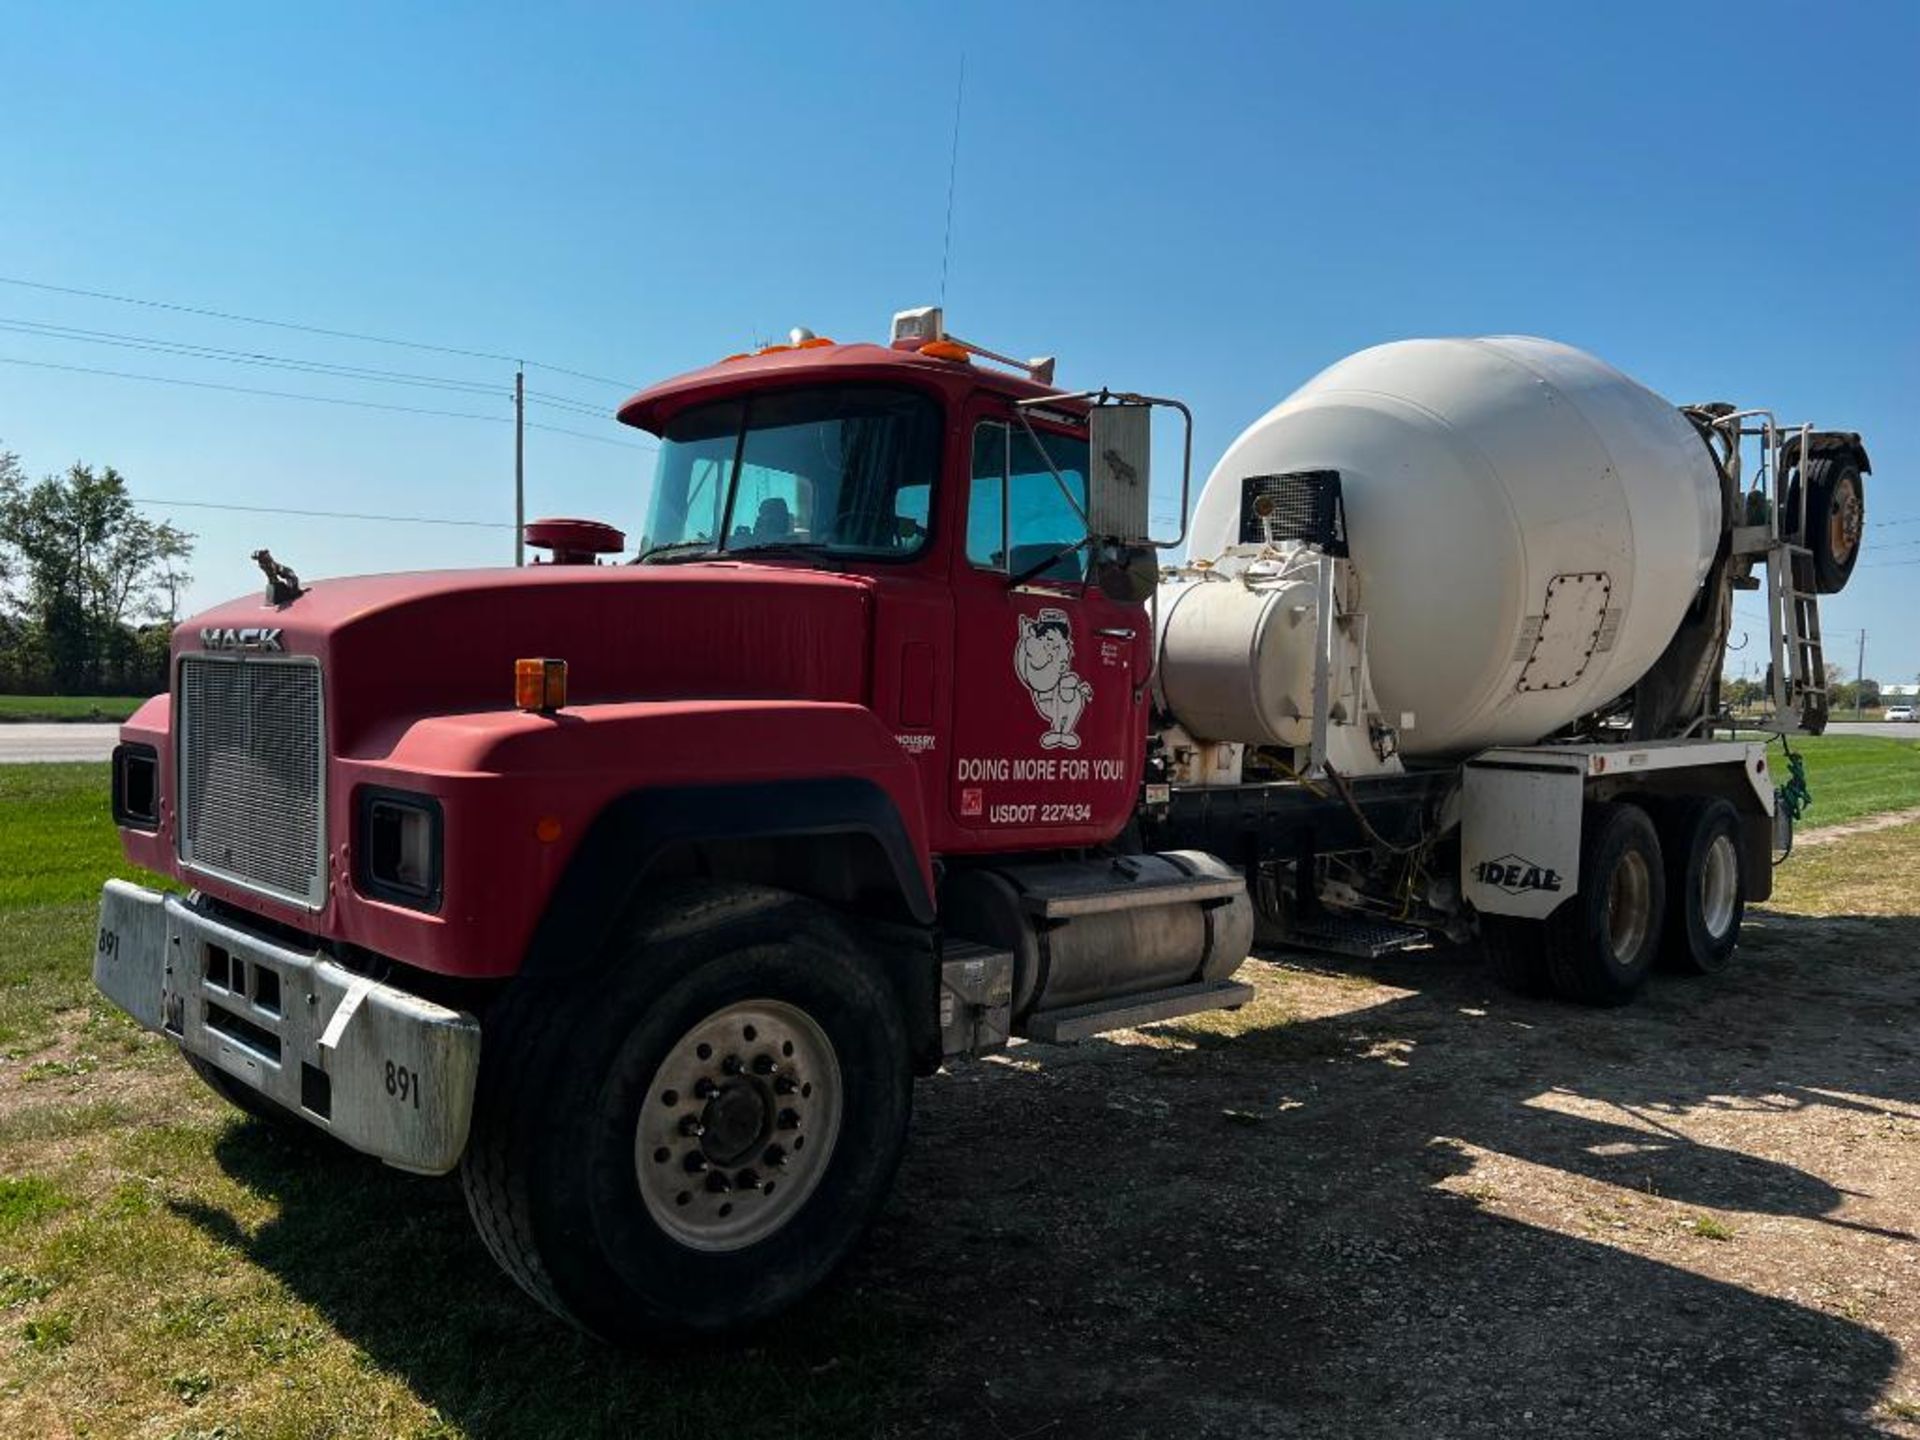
x: 1401, y: 1202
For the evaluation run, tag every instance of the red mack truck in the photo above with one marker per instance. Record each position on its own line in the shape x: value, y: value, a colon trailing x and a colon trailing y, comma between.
x: 640, y: 893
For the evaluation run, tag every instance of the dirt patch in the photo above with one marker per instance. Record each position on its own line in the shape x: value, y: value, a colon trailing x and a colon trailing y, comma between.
x: 1867, y: 826
x: 1422, y: 1207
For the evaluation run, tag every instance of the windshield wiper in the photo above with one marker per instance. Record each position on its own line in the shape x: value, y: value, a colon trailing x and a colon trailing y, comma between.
x: 807, y: 549
x: 678, y: 549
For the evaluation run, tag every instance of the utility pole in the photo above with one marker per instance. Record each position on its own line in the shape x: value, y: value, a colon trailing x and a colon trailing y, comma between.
x: 1860, y: 676
x: 520, y: 465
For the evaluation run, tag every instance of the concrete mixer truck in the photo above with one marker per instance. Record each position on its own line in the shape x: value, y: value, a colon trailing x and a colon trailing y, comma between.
x: 639, y: 893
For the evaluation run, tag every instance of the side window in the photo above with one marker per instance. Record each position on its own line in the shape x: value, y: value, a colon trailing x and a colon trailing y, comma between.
x: 1018, y: 513
x: 987, y: 499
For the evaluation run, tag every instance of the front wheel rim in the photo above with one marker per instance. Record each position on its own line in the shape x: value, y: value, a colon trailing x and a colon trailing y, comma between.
x: 1719, y: 886
x: 738, y: 1126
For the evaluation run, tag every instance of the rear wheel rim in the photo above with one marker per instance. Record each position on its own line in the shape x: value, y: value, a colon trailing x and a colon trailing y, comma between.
x: 1719, y: 886
x: 1629, y: 906
x: 739, y: 1125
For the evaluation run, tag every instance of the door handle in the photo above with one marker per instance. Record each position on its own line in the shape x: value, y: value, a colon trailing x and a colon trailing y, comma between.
x: 1115, y: 633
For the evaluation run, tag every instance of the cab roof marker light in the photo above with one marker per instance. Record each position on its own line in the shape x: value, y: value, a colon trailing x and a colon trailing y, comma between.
x: 922, y: 328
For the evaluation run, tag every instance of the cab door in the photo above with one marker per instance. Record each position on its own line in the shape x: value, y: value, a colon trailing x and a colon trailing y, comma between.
x: 1049, y: 693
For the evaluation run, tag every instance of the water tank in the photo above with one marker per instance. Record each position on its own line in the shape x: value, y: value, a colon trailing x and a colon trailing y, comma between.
x: 1527, y: 525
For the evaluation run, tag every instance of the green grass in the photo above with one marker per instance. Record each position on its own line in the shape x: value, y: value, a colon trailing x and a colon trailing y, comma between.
x: 68, y: 707
x: 1852, y: 776
x: 168, y: 1267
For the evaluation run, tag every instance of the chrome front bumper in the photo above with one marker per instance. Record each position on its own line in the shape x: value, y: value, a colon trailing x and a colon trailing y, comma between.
x: 386, y: 1072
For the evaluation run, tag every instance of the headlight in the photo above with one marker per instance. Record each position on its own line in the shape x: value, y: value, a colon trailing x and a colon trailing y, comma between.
x: 136, y: 787
x: 399, y: 848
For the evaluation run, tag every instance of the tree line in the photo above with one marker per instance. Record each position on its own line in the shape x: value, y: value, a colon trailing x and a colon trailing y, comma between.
x: 89, y: 587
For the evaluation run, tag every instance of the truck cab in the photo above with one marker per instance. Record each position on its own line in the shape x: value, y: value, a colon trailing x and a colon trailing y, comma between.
x: 640, y: 891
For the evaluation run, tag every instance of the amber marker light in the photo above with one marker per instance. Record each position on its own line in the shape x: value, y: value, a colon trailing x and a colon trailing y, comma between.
x: 540, y: 685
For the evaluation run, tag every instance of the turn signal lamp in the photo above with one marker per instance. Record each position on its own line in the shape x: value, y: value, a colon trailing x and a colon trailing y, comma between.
x: 946, y: 350
x: 540, y: 685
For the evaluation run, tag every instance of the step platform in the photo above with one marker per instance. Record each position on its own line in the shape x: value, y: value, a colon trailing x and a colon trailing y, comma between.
x: 1081, y: 1022
x: 1365, y: 937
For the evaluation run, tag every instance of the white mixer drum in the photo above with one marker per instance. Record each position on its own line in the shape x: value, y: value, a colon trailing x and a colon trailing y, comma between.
x: 1528, y: 526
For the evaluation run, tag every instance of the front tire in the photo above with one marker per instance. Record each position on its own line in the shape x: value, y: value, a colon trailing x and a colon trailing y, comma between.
x: 245, y: 1098
x: 692, y: 1135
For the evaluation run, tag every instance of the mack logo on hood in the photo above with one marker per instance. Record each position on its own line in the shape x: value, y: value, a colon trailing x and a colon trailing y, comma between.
x: 248, y: 637
x: 1515, y: 874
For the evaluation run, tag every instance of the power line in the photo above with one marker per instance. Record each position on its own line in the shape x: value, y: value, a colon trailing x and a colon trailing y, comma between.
x: 252, y: 390
x: 596, y: 439
x: 297, y: 365
x: 285, y: 362
x: 322, y: 514
x: 246, y: 357
x: 316, y: 399
x: 307, y: 329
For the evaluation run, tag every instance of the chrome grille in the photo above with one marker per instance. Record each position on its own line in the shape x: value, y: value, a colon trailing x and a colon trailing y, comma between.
x: 252, y: 763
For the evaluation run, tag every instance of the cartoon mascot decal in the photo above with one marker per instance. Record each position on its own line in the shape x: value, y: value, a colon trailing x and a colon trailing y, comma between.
x: 1043, y: 659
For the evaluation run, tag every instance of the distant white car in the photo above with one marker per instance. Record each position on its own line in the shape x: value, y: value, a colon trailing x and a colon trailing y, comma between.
x: 1901, y: 712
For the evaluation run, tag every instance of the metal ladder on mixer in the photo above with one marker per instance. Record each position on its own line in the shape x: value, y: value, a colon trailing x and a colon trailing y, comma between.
x: 1793, y: 608
x: 1798, y: 687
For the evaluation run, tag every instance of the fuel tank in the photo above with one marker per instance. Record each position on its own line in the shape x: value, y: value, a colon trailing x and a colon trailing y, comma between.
x: 1083, y: 931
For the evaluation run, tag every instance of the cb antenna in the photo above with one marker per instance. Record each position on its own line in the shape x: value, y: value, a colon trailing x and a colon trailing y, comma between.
x: 953, y: 169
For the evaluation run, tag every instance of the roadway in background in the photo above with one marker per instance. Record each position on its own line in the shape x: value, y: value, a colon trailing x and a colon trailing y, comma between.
x: 26, y: 743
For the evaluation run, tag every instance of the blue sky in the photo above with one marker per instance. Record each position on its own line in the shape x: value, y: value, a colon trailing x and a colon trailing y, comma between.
x: 1207, y: 201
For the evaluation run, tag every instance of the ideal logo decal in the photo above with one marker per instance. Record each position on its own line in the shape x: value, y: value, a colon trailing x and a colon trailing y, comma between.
x: 1516, y: 875
x: 1043, y: 659
x: 251, y: 637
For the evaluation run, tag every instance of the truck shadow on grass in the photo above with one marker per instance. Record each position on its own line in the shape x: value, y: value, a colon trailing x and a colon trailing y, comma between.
x: 1282, y: 1232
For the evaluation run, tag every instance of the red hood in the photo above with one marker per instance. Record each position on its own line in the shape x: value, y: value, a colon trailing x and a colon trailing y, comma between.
x: 395, y: 647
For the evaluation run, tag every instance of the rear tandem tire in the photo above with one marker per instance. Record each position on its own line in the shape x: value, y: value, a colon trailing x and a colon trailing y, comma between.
x: 1602, y: 942
x: 1706, y: 886
x: 1598, y: 947
x: 635, y: 1160
x: 1514, y: 954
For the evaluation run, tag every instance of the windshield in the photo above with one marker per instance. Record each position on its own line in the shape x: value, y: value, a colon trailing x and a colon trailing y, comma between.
x: 844, y: 470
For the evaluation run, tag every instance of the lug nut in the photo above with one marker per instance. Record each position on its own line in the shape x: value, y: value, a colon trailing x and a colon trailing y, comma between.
x: 763, y: 1065
x: 785, y: 1085
x: 717, y: 1183
x: 704, y: 1089
x: 747, y: 1180
x: 774, y: 1155
x: 691, y: 1127
x: 789, y: 1120
x: 731, y: 1065
x: 694, y: 1163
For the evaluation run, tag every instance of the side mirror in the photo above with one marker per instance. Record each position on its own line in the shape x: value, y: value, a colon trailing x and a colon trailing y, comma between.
x: 1120, y: 450
x: 1126, y: 574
